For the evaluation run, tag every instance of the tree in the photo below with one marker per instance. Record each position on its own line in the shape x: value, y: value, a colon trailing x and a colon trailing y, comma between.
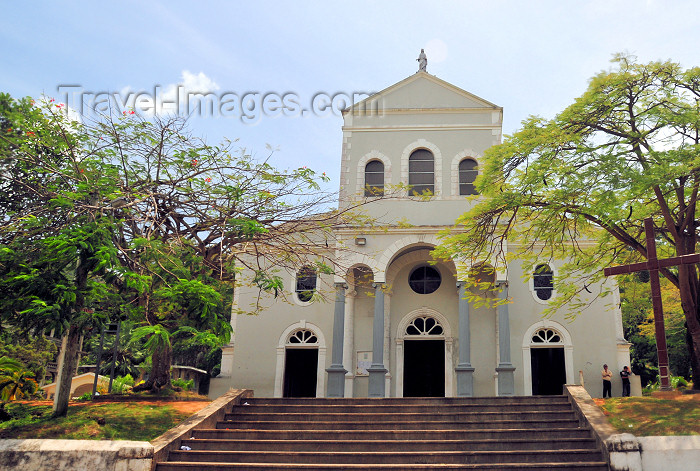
x: 96, y: 209
x: 17, y: 383
x: 577, y: 187
x: 638, y: 323
x: 33, y: 351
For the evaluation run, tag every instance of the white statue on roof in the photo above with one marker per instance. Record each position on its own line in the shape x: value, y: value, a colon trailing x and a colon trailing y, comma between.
x: 422, y: 61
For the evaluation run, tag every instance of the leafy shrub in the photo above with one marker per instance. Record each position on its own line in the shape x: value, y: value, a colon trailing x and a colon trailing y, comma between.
x: 85, y: 397
x: 185, y: 385
x: 122, y: 384
x: 677, y: 382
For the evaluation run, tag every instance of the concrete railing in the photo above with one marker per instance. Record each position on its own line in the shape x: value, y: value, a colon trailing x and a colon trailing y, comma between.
x: 117, y: 455
x: 59, y: 455
x: 624, y: 451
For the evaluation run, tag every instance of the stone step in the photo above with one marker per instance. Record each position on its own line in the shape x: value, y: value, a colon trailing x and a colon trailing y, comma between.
x: 407, y: 401
x: 453, y: 416
x: 387, y: 435
x: 389, y: 457
x: 394, y: 408
x: 396, y: 445
x: 393, y: 425
x: 211, y: 466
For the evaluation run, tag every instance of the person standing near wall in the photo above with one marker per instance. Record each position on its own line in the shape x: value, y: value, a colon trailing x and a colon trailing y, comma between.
x: 607, y: 385
x: 625, y: 375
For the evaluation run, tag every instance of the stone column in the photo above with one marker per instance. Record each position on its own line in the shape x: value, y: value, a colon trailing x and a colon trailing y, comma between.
x: 464, y: 369
x: 377, y: 371
x: 336, y: 372
x: 505, y: 369
x: 349, y: 341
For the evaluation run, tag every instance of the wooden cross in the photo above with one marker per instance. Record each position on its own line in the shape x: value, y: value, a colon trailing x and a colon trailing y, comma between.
x: 653, y: 264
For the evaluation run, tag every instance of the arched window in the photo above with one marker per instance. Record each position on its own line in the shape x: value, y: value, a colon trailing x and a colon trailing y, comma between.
x: 306, y: 284
x: 468, y: 170
x: 374, y: 178
x: 302, y: 336
x: 424, y: 326
x: 543, y: 281
x: 546, y: 336
x: 421, y: 172
x: 424, y: 280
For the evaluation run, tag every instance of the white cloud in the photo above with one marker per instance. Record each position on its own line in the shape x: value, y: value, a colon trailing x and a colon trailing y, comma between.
x: 171, y: 98
x: 436, y: 50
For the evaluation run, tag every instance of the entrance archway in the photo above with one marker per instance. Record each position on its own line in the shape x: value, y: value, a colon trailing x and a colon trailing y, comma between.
x: 300, y: 364
x: 301, y: 358
x: 547, y: 359
x: 424, y: 355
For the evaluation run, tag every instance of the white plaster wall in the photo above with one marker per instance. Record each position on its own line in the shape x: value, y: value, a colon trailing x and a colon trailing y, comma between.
x: 592, y: 330
x: 669, y: 453
x: 255, y: 350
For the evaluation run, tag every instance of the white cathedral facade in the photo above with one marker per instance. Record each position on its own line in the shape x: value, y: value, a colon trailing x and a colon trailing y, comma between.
x: 400, y: 325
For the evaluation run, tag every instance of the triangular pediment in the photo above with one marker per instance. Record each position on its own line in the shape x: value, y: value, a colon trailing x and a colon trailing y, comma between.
x: 425, y: 91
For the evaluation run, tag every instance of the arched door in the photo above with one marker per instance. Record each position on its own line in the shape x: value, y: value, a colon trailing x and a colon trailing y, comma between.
x: 547, y: 362
x: 424, y: 358
x: 300, y: 364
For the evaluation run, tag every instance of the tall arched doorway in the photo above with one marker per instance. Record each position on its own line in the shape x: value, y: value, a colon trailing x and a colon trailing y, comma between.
x: 424, y: 355
x: 301, y: 359
x: 300, y: 364
x: 547, y: 359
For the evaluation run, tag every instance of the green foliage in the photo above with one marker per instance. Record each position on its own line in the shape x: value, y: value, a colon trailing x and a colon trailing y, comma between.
x: 128, y: 218
x: 638, y: 324
x: 122, y: 384
x: 576, y: 188
x: 676, y: 382
x: 158, y: 337
x: 17, y: 383
x: 186, y: 385
x: 34, y: 352
x: 85, y: 397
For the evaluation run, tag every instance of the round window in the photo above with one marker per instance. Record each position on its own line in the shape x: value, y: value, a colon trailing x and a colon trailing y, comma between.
x: 424, y: 280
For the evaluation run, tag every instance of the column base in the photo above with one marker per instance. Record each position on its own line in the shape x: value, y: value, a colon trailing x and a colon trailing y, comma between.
x: 465, y: 380
x: 377, y: 381
x: 506, y: 380
x: 336, y: 381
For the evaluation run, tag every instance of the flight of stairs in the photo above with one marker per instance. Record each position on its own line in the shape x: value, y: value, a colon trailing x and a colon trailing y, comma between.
x: 495, y: 433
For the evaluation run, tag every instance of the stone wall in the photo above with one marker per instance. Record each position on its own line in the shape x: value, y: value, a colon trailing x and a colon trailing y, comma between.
x: 58, y: 455
x: 104, y: 455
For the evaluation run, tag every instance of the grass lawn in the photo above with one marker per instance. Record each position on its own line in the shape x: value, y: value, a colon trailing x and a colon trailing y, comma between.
x: 97, y: 421
x: 651, y: 416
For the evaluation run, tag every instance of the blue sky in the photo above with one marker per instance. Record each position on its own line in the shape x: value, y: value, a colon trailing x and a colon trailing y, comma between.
x: 530, y: 57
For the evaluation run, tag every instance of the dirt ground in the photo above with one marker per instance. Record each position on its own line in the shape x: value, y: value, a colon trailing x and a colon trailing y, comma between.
x: 674, y: 395
x: 185, y: 407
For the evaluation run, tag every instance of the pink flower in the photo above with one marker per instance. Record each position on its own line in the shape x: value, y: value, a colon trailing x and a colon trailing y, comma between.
x: 194, y: 162
x: 52, y: 100
x: 208, y: 180
x: 29, y: 133
x: 131, y: 112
